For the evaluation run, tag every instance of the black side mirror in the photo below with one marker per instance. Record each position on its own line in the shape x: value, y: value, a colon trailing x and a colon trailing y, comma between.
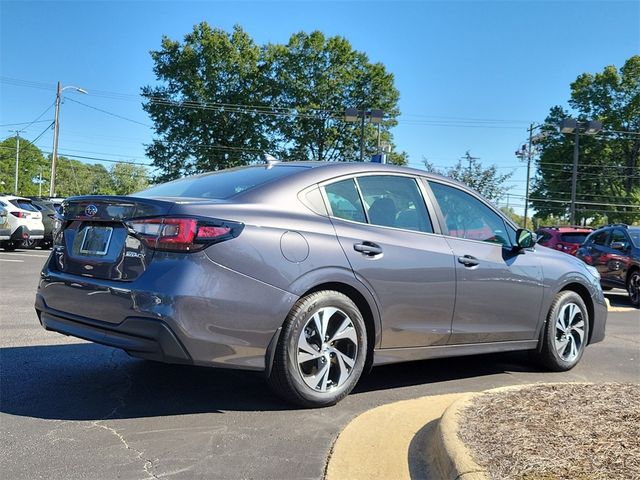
x: 525, y: 238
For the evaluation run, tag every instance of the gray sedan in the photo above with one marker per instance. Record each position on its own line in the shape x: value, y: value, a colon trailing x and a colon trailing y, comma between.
x: 312, y: 273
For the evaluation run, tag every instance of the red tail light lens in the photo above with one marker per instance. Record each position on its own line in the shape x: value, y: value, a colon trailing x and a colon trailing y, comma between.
x: 183, y: 234
x: 18, y: 214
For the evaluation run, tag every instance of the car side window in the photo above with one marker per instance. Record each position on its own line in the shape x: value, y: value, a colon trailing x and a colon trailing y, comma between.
x: 600, y: 238
x: 618, y: 235
x: 395, y: 201
x: 344, y: 200
x: 468, y: 218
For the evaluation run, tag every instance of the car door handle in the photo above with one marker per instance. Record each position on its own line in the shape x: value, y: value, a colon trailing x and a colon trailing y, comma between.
x: 468, y: 261
x: 367, y: 248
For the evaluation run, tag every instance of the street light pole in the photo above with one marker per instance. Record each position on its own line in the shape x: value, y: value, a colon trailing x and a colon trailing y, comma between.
x: 364, y: 114
x: 56, y: 133
x: 574, y: 177
x: 374, y: 115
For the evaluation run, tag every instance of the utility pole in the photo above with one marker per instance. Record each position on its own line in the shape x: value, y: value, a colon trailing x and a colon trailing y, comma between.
x: 15, y: 187
x: 364, y: 115
x: 470, y: 159
x: 54, y: 153
x: 529, y: 158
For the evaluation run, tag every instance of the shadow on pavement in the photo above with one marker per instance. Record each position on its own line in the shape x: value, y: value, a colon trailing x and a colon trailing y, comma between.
x: 92, y: 382
x: 618, y: 298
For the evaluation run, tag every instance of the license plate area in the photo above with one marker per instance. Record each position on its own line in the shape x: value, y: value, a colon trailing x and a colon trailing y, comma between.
x: 95, y: 240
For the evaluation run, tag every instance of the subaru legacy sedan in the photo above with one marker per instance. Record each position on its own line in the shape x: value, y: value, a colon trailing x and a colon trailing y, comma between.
x: 313, y: 273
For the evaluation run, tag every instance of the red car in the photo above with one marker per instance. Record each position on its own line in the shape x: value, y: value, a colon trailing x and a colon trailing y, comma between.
x: 564, y: 239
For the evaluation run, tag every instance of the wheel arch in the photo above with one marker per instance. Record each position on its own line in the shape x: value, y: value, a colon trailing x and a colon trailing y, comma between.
x: 586, y: 298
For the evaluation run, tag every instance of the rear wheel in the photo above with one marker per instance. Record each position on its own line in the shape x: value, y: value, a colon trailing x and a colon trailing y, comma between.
x: 9, y: 246
x: 566, y: 333
x: 321, y: 351
x: 30, y: 243
x: 633, y: 287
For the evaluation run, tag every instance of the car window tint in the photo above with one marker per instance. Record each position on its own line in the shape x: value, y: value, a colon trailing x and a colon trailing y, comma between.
x: 600, y: 238
x: 466, y: 217
x: 344, y: 200
x: 635, y: 237
x: 24, y: 205
x: 573, y: 237
x: 395, y: 201
x: 220, y: 185
x: 618, y: 235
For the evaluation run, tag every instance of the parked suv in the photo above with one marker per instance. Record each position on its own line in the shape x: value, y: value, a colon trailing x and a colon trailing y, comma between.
x: 563, y: 239
x: 24, y: 219
x: 48, y: 210
x: 615, y: 251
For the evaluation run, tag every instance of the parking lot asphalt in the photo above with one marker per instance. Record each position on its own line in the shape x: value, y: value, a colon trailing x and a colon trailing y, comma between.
x: 72, y: 409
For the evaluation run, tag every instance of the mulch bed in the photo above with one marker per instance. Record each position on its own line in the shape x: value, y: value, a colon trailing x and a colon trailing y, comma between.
x: 559, y: 432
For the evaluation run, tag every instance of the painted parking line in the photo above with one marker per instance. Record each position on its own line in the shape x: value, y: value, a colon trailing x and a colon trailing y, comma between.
x: 7, y: 260
x: 26, y: 254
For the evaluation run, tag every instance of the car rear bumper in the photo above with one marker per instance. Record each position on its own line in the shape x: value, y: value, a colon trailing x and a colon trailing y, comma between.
x: 140, y: 337
x: 190, y: 310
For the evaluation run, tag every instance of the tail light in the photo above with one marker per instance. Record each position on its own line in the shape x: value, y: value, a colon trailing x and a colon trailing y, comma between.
x: 19, y: 214
x: 183, y: 234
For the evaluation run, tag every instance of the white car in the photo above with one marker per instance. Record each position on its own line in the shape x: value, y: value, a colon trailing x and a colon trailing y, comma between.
x: 21, y: 221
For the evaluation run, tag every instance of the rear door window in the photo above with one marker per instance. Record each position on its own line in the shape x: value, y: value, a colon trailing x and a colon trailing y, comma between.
x: 395, y: 201
x: 618, y: 235
x: 600, y: 238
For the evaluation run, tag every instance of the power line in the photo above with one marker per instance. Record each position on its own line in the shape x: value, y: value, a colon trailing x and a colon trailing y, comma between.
x: 25, y: 123
x: 110, y: 113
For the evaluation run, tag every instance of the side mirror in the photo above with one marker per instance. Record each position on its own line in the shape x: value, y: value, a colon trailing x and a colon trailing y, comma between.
x: 619, y: 246
x: 525, y: 238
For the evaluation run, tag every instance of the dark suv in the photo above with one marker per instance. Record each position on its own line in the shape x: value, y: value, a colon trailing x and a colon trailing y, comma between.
x: 615, y: 251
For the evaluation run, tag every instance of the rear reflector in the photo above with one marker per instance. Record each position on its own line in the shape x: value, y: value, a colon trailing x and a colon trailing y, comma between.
x: 183, y: 234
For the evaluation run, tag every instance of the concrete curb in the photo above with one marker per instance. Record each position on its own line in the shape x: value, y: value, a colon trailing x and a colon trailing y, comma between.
x: 448, y: 455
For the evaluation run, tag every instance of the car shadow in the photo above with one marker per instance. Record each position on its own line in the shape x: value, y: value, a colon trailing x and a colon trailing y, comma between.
x: 85, y: 381
x: 618, y: 298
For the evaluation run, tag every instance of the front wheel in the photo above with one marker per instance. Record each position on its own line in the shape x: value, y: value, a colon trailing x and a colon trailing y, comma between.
x: 633, y: 287
x: 566, y: 333
x: 30, y: 243
x: 321, y: 351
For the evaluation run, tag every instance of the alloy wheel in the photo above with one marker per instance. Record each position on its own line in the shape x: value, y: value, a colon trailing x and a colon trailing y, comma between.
x: 633, y: 287
x: 327, y: 349
x: 569, y: 339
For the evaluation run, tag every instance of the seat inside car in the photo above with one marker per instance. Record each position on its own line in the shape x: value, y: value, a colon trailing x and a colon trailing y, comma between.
x: 383, y: 212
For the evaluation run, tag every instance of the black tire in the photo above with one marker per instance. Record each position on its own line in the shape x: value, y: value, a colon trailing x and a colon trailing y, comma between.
x: 287, y: 378
x: 9, y: 247
x: 549, y: 355
x: 30, y: 244
x: 606, y: 289
x: 633, y: 288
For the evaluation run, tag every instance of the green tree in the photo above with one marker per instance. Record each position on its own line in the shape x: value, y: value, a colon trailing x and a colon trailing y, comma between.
x: 31, y: 164
x: 198, y: 108
x: 609, y: 163
x: 76, y: 178
x: 487, y: 181
x: 127, y: 178
x: 314, y: 78
x: 224, y: 101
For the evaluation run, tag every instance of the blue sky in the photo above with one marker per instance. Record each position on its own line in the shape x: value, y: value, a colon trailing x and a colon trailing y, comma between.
x: 456, y: 64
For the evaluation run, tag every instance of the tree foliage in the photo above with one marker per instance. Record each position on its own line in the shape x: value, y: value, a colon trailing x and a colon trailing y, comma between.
x: 485, y: 180
x: 609, y: 166
x: 222, y: 100
x: 72, y: 177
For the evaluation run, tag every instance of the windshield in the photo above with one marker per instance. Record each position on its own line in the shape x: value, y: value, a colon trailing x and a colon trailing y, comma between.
x: 220, y: 185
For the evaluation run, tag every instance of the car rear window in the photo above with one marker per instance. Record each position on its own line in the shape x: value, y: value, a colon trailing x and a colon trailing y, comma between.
x: 24, y: 205
x: 220, y: 185
x: 574, y: 237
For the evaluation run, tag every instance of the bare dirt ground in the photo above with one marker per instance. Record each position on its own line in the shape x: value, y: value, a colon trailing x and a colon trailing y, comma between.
x: 561, y: 431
